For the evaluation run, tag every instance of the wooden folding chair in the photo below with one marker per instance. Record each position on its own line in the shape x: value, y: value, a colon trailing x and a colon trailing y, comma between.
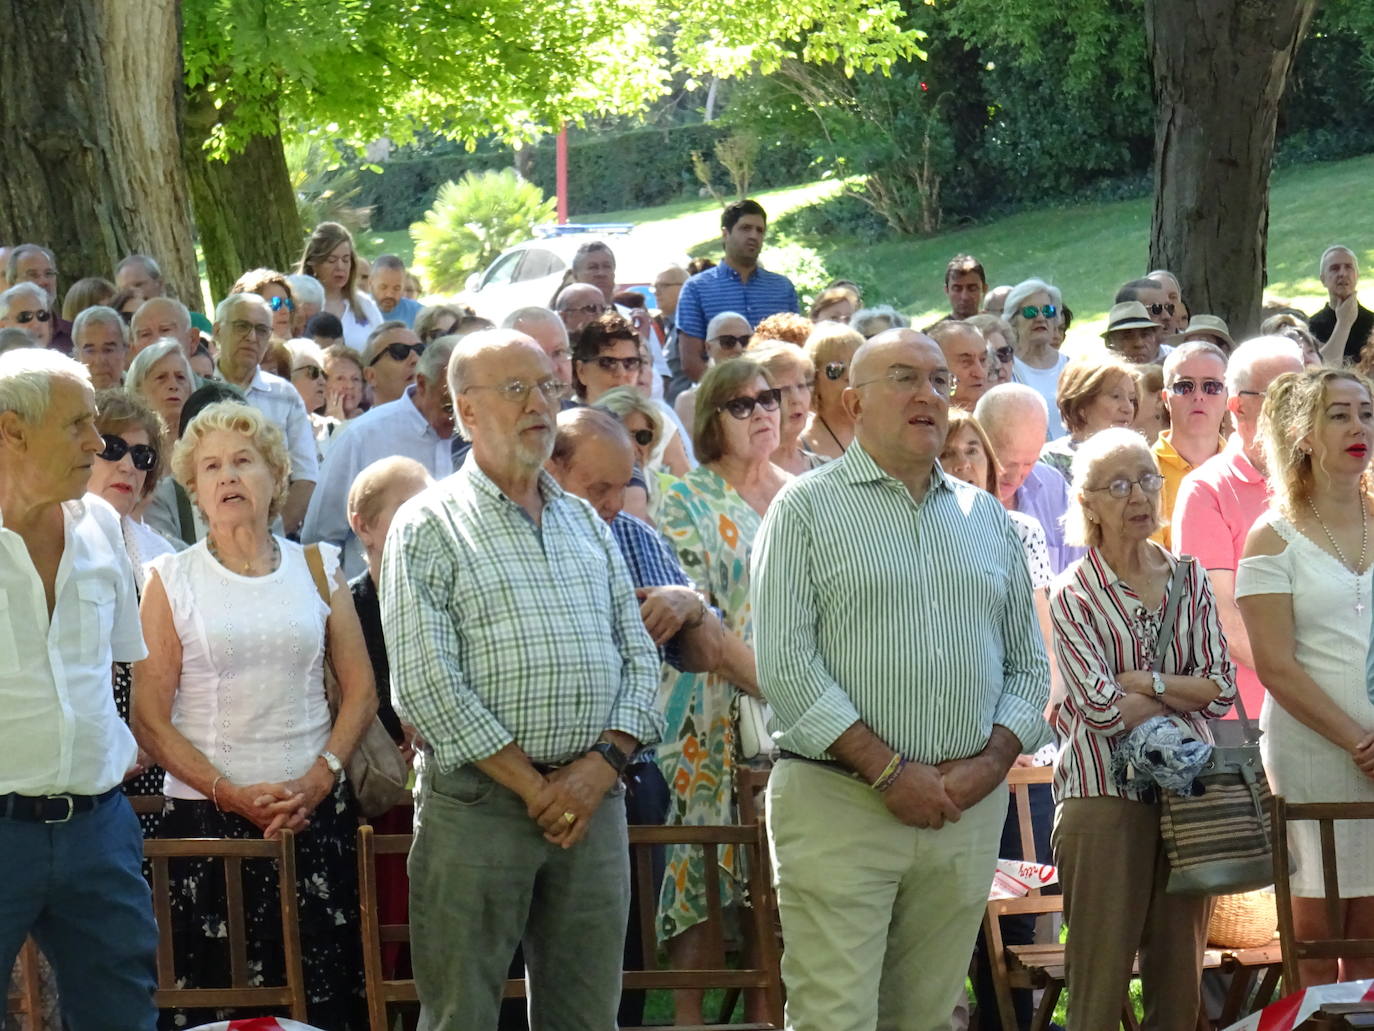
x: 25, y: 997
x: 766, y: 977
x: 233, y: 851
x: 1325, y: 815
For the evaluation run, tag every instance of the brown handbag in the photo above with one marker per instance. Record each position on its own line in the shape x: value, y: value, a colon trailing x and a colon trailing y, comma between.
x: 376, y: 769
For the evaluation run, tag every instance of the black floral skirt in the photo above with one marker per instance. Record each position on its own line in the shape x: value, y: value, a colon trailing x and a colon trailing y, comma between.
x: 150, y: 781
x: 327, y: 898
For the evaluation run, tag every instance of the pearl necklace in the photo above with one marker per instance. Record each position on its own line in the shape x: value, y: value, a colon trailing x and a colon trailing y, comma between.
x: 1358, y: 569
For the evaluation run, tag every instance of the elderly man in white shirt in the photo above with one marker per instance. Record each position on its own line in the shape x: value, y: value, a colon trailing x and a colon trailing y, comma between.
x: 70, y: 846
x: 417, y: 425
x: 243, y: 327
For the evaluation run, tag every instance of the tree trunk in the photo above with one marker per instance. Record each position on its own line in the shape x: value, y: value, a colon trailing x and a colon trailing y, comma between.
x: 90, y: 116
x: 245, y: 206
x: 1220, y: 67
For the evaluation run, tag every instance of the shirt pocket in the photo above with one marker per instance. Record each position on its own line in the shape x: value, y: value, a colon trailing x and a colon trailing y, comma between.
x: 9, y: 653
x: 97, y: 599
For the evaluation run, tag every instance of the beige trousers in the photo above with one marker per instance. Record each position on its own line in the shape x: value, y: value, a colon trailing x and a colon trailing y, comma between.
x: 878, y: 918
x: 1113, y: 868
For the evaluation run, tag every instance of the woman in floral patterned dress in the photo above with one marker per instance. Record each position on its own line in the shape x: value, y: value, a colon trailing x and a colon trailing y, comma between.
x: 711, y: 516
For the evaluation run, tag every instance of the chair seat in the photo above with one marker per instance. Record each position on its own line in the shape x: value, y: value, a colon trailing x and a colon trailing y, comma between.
x: 1034, y: 966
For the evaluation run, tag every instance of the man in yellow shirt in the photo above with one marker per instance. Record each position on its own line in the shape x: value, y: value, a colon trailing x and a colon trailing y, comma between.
x: 1195, y: 391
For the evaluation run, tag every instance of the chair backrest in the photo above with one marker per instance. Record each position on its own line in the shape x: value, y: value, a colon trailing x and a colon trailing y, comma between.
x: 766, y: 976
x: 238, y: 993
x: 25, y: 998
x: 1326, y: 815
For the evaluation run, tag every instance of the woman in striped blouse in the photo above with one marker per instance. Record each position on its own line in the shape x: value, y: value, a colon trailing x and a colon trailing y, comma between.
x: 1106, y: 612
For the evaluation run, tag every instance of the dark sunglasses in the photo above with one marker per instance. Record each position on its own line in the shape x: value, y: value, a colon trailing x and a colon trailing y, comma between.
x: 313, y: 371
x: 398, y: 352
x: 743, y: 407
x: 29, y: 316
x: 144, y: 456
x: 1160, y: 309
x: 1185, y: 387
x: 609, y: 363
x: 730, y: 342
x: 1004, y: 354
x: 278, y: 303
x: 834, y: 370
x: 1030, y: 311
x: 643, y: 437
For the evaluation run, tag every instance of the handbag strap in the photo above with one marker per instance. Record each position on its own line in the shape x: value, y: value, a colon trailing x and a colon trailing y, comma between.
x: 315, y: 561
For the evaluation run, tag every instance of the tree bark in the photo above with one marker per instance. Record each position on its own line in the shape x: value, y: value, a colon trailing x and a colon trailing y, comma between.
x: 1220, y: 67
x: 90, y: 96
x: 245, y: 207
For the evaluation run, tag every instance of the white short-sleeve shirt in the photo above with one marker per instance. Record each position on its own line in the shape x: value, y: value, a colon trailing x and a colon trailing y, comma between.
x: 60, y: 731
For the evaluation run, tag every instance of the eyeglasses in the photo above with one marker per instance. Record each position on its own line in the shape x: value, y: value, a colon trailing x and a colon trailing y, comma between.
x: 643, y: 437
x: 1160, y: 309
x: 278, y: 303
x: 1185, y: 387
x: 905, y: 379
x: 610, y: 363
x: 1004, y: 354
x: 517, y: 391
x: 398, y: 352
x: 313, y: 371
x: 730, y: 341
x: 144, y: 456
x: 1030, y: 311
x: 743, y: 407
x: 1249, y: 393
x: 243, y: 327
x: 1150, y: 483
x: 586, y: 309
x: 29, y: 316
x: 834, y: 370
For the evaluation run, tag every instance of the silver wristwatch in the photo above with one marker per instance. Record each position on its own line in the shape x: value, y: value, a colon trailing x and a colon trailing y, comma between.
x: 1158, y: 683
x: 335, y: 767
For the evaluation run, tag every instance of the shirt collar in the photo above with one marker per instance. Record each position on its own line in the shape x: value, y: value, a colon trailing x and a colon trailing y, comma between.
x: 72, y: 510
x: 860, y: 468
x: 549, y: 489
x: 1240, y: 462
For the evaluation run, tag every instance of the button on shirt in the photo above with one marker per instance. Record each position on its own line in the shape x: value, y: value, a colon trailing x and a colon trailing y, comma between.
x: 1045, y: 496
x: 719, y: 289
x: 395, y: 428
x: 61, y: 732
x: 500, y: 631
x: 913, y: 617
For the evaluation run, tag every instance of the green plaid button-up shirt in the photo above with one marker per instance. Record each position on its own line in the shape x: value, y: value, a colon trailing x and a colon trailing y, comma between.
x: 501, y: 632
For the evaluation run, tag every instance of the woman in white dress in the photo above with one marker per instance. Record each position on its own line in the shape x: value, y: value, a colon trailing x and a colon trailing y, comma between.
x: 1303, y: 586
x: 329, y: 257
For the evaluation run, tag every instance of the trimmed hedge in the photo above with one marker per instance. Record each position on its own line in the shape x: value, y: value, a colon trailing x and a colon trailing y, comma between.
x: 634, y: 169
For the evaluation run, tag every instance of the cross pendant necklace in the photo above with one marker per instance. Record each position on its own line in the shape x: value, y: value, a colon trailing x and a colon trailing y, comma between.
x: 1358, y: 569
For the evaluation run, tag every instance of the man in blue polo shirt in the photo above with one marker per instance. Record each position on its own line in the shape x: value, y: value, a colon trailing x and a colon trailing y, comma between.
x: 738, y: 283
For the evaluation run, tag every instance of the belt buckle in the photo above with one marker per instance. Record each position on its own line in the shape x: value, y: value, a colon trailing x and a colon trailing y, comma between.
x: 71, y: 808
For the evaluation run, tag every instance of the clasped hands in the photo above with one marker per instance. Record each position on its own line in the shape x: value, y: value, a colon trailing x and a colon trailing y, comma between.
x: 931, y: 796
x: 1363, y: 755
x: 576, y: 789
x: 277, y: 806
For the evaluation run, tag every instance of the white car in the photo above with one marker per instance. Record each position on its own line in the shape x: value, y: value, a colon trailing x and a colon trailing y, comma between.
x: 531, y: 273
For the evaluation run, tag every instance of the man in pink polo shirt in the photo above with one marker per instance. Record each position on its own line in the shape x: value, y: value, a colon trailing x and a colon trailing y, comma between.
x: 1220, y: 500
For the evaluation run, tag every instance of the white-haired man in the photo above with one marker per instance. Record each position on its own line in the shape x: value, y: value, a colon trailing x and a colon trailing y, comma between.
x: 487, y: 577
x: 1013, y: 416
x: 141, y: 274
x: 418, y: 425
x: 100, y: 341
x: 30, y: 263
x: 242, y: 330
x: 1195, y: 394
x: 25, y: 307
x: 1221, y: 499
x: 70, y: 846
x: 1343, y: 325
x: 161, y: 317
x: 309, y: 296
x: 545, y: 328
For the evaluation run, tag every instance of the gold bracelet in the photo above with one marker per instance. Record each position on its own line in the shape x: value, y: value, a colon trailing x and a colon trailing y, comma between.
x: 888, y: 770
x: 214, y: 791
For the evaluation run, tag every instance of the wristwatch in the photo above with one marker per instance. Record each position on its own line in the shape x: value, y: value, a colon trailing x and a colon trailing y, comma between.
x: 1158, y: 682
x: 613, y: 755
x: 335, y: 767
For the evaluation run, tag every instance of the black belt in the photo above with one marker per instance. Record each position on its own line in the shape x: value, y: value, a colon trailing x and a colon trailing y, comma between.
x: 50, y: 808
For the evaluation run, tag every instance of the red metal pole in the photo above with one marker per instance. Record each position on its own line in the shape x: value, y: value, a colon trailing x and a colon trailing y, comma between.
x: 561, y: 174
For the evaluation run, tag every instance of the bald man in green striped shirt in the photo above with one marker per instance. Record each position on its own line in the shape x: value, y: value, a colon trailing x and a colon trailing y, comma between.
x: 897, y: 643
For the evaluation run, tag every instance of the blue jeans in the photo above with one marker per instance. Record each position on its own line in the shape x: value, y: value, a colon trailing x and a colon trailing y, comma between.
x: 483, y: 879
x: 78, y: 888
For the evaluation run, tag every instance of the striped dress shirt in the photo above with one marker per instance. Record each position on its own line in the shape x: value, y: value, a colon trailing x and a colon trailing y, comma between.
x: 913, y: 617
x: 500, y: 631
x: 1101, y: 629
x: 719, y: 289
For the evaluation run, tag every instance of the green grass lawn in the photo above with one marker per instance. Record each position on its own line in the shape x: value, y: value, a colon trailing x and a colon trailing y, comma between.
x: 1086, y: 249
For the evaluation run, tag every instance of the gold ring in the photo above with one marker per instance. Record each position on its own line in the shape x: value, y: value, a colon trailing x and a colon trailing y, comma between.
x: 570, y: 817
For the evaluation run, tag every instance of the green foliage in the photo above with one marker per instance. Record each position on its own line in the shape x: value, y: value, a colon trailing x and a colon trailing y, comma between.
x: 472, y: 222
x: 325, y: 190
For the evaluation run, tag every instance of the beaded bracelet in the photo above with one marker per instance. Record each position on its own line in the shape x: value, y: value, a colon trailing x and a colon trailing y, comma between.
x: 891, y: 772
x: 214, y: 791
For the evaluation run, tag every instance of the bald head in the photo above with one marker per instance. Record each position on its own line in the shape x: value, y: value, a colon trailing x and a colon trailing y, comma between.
x: 593, y: 458
x: 874, y: 356
x: 578, y: 304
x: 506, y: 396
x: 1015, y: 419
